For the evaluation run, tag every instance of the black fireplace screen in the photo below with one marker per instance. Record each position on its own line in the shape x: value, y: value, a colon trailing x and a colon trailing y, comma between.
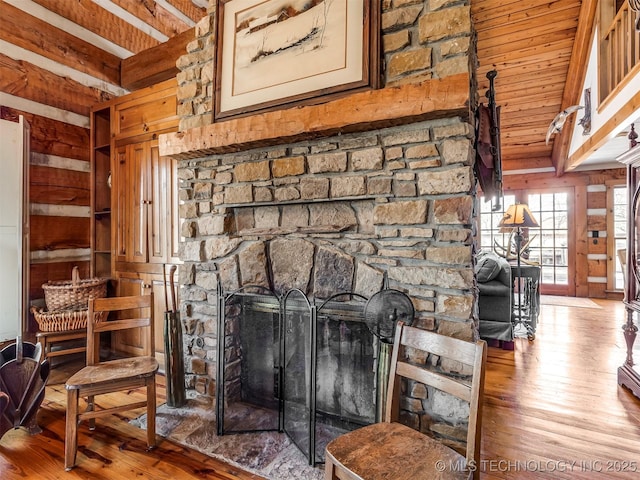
x: 287, y: 364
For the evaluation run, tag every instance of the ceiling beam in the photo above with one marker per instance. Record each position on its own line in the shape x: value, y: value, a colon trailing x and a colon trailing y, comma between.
x: 575, y: 80
x: 156, y: 64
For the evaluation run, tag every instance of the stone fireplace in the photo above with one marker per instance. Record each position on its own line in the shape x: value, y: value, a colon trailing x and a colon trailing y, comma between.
x: 334, y: 196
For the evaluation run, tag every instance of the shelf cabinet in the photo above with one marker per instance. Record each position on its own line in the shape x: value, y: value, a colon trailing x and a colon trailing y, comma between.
x: 101, y: 192
x: 134, y: 201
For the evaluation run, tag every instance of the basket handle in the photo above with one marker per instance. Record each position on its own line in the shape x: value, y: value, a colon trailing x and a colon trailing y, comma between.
x: 75, y: 276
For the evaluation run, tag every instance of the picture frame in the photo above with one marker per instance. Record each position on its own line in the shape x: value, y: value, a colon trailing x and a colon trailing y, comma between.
x: 277, y: 53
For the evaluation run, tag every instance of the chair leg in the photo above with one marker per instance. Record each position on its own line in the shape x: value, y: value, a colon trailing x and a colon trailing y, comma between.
x: 151, y: 412
x: 329, y: 469
x: 71, y: 430
x: 90, y: 408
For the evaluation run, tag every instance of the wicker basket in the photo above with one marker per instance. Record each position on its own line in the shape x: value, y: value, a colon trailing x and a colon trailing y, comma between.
x: 62, y: 320
x: 74, y: 294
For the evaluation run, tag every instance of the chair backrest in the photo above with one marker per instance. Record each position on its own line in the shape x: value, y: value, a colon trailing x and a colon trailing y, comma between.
x: 127, y: 313
x: 444, y: 363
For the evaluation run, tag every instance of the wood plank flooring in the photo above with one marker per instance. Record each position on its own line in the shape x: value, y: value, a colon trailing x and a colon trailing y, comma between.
x: 553, y: 410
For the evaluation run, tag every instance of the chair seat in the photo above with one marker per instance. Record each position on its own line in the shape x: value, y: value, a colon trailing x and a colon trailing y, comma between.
x: 112, y: 371
x: 415, y: 456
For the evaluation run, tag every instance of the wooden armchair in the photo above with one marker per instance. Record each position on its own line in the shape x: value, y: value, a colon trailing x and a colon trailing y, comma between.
x: 98, y: 377
x: 391, y: 450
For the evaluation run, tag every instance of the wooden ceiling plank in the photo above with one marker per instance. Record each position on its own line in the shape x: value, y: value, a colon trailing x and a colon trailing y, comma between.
x: 110, y: 26
x: 547, y: 44
x: 187, y: 7
x: 154, y: 15
x: 36, y: 35
x: 502, y: 14
x: 34, y: 83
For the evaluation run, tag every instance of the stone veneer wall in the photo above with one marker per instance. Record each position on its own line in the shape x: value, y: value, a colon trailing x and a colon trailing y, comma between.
x: 397, y: 200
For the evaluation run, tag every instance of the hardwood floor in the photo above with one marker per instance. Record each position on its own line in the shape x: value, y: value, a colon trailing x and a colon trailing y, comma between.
x: 553, y: 410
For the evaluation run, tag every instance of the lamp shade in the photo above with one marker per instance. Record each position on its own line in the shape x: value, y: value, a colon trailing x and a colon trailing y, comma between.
x: 518, y: 216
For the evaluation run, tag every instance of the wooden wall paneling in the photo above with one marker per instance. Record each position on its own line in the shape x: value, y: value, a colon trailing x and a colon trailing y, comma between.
x: 597, y: 246
x: 29, y: 81
x: 530, y: 163
x: 597, y: 290
x: 597, y: 200
x: 110, y: 26
x: 597, y: 268
x: 597, y: 223
x: 580, y: 240
x: 38, y: 36
x: 156, y: 64
x: 155, y: 15
x: 53, y: 137
x: 58, y: 186
x: 59, y: 233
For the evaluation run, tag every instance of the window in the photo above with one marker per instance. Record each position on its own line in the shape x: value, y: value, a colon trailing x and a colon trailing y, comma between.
x: 619, y: 241
x: 490, y: 236
x: 550, y: 247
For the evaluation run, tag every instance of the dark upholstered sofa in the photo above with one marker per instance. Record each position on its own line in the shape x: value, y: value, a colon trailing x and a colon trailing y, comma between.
x: 495, y: 296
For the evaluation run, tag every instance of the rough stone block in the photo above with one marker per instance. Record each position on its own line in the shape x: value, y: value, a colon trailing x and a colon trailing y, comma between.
x: 347, y: 187
x: 401, y: 213
x: 454, y: 180
x: 369, y: 159
x: 238, y: 194
x: 328, y: 162
x: 392, y: 42
x: 445, y: 23
x: 400, y: 17
x: 252, y: 171
x: 314, y: 188
x: 291, y: 260
x: 453, y: 210
x: 410, y: 61
x: 284, y: 167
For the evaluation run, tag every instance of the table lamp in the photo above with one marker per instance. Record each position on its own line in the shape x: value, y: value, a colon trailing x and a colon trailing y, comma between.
x: 517, y: 217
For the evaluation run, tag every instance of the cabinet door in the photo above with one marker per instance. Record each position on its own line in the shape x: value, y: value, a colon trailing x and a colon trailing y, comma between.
x: 138, y: 158
x: 130, y: 341
x: 120, y: 200
x: 143, y: 284
x: 157, y: 196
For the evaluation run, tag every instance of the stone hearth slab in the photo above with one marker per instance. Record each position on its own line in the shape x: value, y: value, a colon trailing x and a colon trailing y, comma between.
x: 269, y: 454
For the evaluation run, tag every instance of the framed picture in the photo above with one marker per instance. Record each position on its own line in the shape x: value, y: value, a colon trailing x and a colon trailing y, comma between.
x: 276, y: 52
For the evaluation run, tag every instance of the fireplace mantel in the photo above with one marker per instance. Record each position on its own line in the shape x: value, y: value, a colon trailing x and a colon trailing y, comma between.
x: 359, y: 112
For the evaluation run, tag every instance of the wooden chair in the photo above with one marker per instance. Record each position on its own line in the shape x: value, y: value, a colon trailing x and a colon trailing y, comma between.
x: 391, y: 450
x: 98, y: 377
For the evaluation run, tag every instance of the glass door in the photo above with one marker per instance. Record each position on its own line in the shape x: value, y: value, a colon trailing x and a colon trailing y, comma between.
x: 551, y: 246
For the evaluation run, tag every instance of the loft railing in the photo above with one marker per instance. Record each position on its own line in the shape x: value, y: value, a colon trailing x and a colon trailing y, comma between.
x: 619, y: 52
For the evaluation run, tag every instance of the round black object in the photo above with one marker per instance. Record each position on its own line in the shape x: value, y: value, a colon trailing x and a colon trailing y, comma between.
x: 385, y: 309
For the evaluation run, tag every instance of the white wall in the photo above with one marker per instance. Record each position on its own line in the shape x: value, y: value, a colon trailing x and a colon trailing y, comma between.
x: 11, y: 171
x: 599, y: 117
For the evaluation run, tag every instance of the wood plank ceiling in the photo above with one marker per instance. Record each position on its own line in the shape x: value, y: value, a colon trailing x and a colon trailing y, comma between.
x: 530, y: 44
